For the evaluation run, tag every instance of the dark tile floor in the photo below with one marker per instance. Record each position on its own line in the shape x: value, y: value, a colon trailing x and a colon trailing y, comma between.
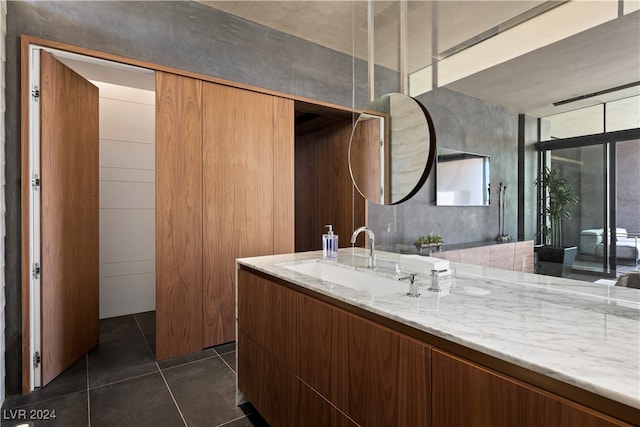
x: 119, y: 383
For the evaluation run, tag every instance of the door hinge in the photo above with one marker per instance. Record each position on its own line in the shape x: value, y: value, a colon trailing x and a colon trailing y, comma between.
x: 36, y: 359
x: 35, y: 182
x: 35, y: 92
x: 36, y: 270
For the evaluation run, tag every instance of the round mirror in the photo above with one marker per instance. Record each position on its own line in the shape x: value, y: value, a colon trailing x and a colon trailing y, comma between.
x: 392, y: 149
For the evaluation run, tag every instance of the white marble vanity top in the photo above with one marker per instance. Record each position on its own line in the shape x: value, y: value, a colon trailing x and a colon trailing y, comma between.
x: 581, y: 333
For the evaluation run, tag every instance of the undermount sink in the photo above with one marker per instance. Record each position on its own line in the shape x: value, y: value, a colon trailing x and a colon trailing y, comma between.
x: 348, y: 277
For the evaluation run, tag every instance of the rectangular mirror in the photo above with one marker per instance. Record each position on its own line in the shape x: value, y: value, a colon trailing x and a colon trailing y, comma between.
x: 462, y: 179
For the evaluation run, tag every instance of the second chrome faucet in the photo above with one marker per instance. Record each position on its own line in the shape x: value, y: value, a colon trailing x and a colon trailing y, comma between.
x: 372, y: 239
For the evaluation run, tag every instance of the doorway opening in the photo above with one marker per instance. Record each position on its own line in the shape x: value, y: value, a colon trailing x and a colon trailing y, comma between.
x: 604, y: 225
x: 126, y: 190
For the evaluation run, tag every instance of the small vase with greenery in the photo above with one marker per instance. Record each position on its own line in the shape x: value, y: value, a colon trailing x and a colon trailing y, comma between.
x: 559, y: 197
x: 430, y: 240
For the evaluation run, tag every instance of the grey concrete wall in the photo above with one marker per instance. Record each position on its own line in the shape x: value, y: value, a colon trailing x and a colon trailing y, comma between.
x: 191, y: 36
x: 466, y: 124
x: 3, y: 57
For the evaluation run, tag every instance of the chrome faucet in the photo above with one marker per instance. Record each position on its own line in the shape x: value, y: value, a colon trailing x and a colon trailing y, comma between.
x: 372, y: 238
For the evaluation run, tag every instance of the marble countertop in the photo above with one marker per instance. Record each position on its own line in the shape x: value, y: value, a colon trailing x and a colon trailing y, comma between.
x: 584, y: 334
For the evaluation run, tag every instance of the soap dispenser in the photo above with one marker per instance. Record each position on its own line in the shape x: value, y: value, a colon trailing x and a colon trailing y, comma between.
x: 330, y: 245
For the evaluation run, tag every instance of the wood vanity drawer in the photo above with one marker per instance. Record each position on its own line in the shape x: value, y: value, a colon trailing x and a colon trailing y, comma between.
x: 466, y: 394
x: 523, y: 260
x: 502, y: 256
x: 516, y: 256
x: 266, y: 313
x: 475, y: 256
x: 450, y: 255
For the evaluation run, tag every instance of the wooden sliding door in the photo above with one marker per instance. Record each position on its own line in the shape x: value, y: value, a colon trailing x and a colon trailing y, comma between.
x: 178, y: 215
x: 248, y: 193
x: 224, y: 190
x: 283, y: 176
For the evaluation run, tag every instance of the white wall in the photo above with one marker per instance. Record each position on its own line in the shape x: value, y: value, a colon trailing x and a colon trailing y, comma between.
x: 3, y: 56
x: 127, y: 200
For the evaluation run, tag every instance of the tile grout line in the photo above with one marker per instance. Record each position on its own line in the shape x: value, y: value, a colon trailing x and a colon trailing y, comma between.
x: 225, y: 362
x: 161, y: 373
x: 145, y: 340
x: 226, y: 423
x: 172, y: 396
x: 122, y: 380
x: 88, y: 394
x: 188, y: 363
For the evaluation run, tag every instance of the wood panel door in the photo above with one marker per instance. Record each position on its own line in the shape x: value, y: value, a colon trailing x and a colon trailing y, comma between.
x: 283, y: 176
x: 178, y: 215
x: 245, y: 135
x: 69, y: 216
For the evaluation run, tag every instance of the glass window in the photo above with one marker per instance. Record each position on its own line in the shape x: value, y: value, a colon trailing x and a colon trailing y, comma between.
x: 623, y: 114
x: 584, y: 168
x: 628, y: 194
x: 585, y: 121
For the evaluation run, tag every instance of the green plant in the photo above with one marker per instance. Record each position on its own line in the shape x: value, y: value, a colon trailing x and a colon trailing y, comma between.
x: 557, y: 196
x: 428, y: 239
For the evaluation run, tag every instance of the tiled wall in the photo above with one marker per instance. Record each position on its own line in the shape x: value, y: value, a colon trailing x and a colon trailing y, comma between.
x: 3, y: 56
x: 127, y: 200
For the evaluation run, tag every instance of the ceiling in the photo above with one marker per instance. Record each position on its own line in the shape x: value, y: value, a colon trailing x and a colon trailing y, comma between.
x: 600, y: 58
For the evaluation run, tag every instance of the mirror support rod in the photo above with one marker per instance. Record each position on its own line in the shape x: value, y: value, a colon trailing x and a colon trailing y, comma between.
x: 404, y: 81
x: 371, y: 50
x: 434, y: 45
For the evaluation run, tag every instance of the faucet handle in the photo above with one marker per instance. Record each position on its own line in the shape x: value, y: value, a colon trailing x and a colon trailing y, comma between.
x: 414, y: 290
x: 435, y: 281
x: 411, y: 277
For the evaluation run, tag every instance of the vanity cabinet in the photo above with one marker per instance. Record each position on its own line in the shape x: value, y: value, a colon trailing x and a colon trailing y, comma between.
x: 517, y: 256
x: 266, y: 314
x: 374, y: 374
x: 467, y: 394
x: 388, y: 376
x: 282, y: 398
x: 335, y: 366
x: 303, y: 360
x: 524, y: 258
x: 266, y: 382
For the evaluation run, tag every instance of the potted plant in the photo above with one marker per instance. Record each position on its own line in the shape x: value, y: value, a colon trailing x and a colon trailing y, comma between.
x: 553, y: 257
x: 429, y: 242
